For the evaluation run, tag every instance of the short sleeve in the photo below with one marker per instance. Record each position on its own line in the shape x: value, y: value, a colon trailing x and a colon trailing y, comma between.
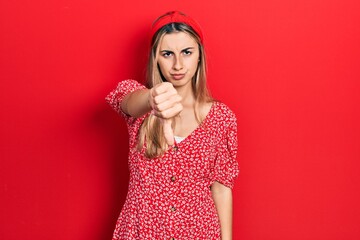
x: 226, y: 167
x: 115, y: 97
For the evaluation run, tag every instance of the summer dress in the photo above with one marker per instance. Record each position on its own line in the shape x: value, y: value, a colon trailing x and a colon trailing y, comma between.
x: 169, y: 197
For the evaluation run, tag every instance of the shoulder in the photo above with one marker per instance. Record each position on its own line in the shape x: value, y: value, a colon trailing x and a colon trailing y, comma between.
x: 129, y: 85
x: 224, y: 114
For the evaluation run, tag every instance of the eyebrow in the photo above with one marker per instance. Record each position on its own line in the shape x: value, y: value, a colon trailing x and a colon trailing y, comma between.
x: 185, y: 49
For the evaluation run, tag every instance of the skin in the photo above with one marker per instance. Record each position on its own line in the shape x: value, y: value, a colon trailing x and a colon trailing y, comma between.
x: 174, y: 101
x: 178, y: 57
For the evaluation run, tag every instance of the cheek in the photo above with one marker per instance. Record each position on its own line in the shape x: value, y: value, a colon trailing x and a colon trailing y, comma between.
x: 193, y: 65
x: 161, y: 67
x: 164, y: 66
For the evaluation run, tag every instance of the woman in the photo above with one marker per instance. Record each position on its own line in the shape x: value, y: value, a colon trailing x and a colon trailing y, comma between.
x: 183, y: 143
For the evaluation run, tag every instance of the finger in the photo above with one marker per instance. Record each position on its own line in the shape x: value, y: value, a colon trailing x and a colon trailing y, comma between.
x: 169, y: 103
x: 171, y: 112
x: 162, y: 88
x: 168, y: 131
x: 165, y: 96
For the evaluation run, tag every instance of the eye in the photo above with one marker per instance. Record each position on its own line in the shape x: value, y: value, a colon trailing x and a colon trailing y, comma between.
x: 187, y: 52
x: 166, y: 54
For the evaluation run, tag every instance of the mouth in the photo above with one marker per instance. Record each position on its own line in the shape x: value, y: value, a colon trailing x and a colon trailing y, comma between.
x: 178, y: 76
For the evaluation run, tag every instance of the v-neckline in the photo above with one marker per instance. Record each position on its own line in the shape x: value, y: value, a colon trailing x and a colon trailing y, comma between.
x: 197, y: 128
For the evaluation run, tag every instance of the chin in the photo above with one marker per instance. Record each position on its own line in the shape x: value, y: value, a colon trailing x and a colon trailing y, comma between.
x: 180, y: 83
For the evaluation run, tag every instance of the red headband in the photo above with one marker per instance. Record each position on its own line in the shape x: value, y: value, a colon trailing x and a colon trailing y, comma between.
x: 176, y: 17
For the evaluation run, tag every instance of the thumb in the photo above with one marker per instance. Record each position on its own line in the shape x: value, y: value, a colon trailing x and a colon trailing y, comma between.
x: 168, y: 131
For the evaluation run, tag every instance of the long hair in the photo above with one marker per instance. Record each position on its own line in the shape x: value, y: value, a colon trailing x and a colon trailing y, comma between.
x: 151, y: 131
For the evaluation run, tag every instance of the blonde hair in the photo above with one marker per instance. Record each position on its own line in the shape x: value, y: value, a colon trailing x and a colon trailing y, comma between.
x: 151, y: 131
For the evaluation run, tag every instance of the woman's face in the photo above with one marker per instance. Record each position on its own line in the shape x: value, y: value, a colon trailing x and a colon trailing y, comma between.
x: 178, y: 58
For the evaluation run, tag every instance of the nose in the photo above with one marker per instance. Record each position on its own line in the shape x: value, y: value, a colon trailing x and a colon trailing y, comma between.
x: 178, y: 63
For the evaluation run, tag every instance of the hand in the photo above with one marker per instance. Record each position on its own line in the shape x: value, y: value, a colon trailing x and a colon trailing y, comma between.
x: 166, y: 104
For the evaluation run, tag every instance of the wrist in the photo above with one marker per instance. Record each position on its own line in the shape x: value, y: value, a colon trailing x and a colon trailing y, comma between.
x: 148, y: 99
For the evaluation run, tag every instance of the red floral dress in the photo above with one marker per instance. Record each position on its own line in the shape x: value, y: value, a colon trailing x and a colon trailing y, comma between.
x: 169, y: 197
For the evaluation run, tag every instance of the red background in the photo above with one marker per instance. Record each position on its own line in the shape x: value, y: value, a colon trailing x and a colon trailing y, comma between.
x: 289, y: 69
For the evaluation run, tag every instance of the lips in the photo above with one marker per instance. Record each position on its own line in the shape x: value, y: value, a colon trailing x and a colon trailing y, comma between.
x: 178, y: 76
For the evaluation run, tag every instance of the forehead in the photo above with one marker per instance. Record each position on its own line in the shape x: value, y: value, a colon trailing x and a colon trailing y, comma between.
x: 177, y: 41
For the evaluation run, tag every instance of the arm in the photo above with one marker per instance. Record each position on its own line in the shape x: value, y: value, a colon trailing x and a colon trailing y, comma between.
x: 223, y: 176
x: 222, y: 197
x: 136, y: 103
x: 163, y: 99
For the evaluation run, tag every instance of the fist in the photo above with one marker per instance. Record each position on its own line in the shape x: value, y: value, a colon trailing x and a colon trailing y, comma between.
x: 165, y: 101
x: 166, y: 104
